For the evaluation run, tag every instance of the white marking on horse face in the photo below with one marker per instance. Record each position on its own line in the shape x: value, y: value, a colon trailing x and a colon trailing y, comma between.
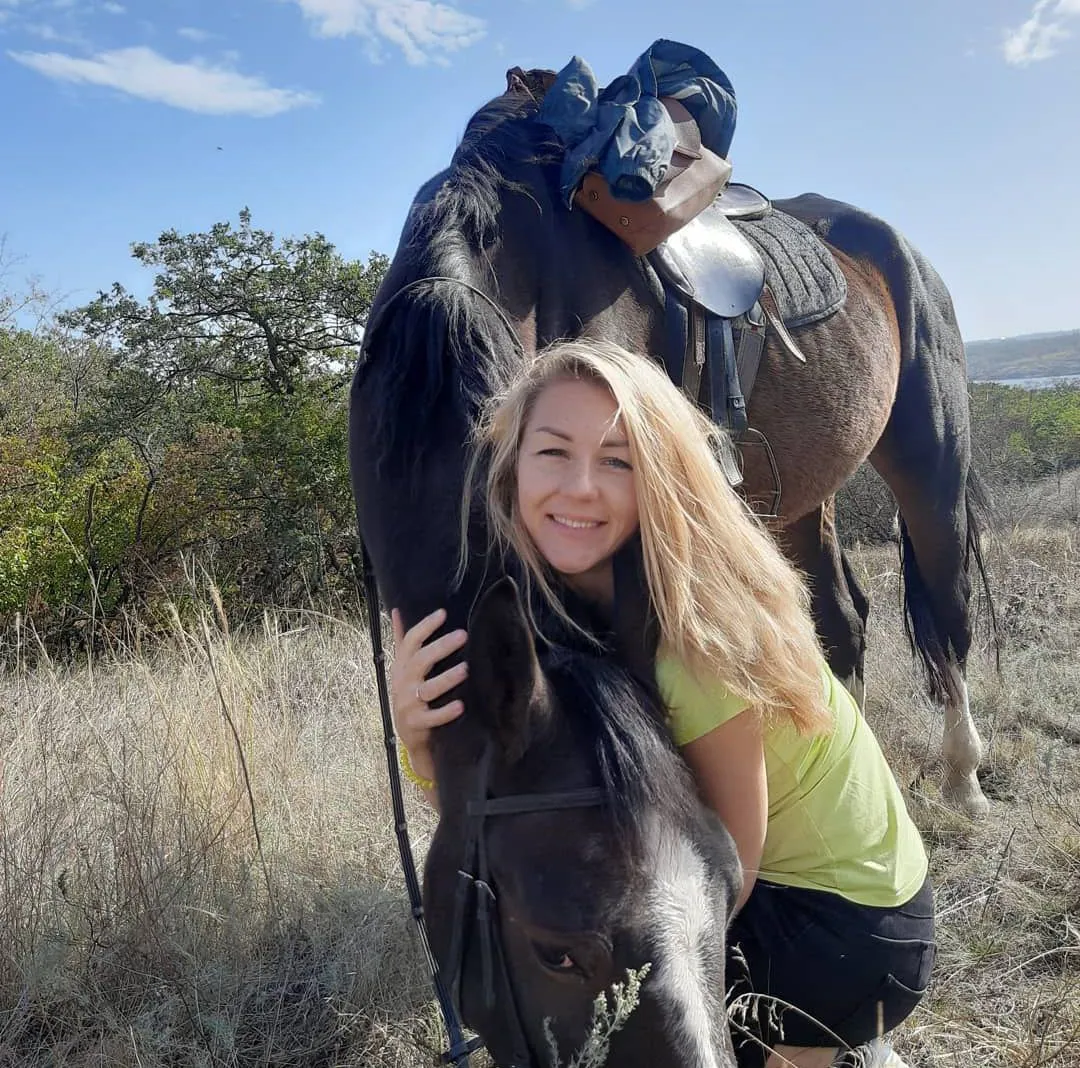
x: 679, y: 908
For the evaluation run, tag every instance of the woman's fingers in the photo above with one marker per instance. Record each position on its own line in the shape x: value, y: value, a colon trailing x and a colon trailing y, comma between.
x: 415, y: 723
x: 436, y: 717
x: 432, y: 689
x: 412, y: 645
x: 419, y: 633
x: 415, y: 656
x: 427, y: 656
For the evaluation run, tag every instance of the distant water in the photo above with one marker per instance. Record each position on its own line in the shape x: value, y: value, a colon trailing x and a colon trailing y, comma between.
x: 1038, y: 383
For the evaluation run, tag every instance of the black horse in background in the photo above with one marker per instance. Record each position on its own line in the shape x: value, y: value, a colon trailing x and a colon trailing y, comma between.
x: 491, y: 267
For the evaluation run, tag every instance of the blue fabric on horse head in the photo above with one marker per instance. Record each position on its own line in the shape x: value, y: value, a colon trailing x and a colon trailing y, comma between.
x: 623, y: 131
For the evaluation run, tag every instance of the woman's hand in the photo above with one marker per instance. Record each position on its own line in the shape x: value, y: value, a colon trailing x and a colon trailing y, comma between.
x: 412, y: 691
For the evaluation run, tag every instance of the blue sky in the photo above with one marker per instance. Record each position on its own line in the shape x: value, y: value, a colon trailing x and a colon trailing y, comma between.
x: 957, y: 120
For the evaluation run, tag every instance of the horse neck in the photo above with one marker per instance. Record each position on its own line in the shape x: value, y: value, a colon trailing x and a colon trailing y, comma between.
x: 561, y: 274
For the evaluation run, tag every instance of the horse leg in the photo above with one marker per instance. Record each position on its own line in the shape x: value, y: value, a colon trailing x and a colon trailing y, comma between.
x: 940, y: 502
x: 840, y: 607
x: 860, y: 601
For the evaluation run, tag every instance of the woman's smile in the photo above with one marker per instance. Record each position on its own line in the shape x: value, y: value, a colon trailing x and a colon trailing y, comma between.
x: 576, y: 491
x: 575, y: 524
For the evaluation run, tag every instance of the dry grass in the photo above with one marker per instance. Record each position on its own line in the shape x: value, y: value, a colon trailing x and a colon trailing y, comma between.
x: 1006, y: 989
x: 141, y: 924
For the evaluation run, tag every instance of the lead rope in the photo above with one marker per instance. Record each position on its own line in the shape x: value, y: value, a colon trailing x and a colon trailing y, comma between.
x: 459, y: 1048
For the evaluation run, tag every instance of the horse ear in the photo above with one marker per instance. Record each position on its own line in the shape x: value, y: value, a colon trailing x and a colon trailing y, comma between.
x: 637, y: 630
x: 504, y: 672
x: 534, y: 83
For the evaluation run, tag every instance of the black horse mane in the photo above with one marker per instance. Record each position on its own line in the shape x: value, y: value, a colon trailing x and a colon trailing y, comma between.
x: 441, y: 341
x: 504, y: 134
x: 623, y: 722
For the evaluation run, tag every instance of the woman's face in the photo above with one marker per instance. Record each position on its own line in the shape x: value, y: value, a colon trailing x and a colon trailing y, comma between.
x: 576, y: 491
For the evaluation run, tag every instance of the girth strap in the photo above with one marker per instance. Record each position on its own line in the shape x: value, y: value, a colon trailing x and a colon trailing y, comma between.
x: 696, y: 354
x: 750, y: 348
x: 677, y: 322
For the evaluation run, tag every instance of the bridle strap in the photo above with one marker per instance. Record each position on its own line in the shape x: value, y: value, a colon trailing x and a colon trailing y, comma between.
x: 372, y: 325
x: 518, y: 804
x: 459, y: 1049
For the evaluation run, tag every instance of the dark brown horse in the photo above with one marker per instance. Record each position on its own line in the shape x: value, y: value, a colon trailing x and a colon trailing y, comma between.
x: 491, y: 267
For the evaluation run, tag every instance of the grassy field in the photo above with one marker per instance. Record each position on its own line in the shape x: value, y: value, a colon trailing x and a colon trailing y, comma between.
x: 167, y: 903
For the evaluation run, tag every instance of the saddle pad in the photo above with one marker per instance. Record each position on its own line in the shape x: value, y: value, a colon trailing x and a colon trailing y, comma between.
x: 802, y: 274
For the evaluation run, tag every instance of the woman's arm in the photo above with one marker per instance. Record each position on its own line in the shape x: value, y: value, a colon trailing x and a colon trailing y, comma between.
x: 411, y: 691
x: 729, y: 765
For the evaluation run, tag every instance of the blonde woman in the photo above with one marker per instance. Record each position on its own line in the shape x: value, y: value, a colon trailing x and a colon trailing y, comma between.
x: 592, y: 447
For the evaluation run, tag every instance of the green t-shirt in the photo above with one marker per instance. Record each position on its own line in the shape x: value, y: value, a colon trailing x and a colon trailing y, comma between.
x: 837, y: 820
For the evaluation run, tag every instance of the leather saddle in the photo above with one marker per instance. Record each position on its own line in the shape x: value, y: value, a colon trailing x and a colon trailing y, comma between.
x: 711, y: 263
x: 686, y: 226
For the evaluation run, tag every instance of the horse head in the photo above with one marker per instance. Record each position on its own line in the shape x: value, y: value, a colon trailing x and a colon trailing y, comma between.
x: 573, y: 856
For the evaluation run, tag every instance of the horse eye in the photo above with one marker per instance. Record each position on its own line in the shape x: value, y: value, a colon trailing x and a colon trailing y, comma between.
x: 556, y: 959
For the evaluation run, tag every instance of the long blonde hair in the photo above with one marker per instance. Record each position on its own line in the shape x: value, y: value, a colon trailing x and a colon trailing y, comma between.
x: 730, y: 607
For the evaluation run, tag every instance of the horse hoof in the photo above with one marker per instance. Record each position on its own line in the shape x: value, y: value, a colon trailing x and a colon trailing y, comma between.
x: 967, y: 795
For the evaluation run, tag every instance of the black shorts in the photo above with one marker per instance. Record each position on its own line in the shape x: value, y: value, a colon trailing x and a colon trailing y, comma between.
x: 858, y: 970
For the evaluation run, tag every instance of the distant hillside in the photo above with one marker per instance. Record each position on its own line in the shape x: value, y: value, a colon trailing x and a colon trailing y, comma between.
x: 1030, y: 356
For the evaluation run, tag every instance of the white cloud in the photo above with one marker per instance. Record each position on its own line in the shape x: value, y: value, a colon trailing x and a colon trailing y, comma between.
x: 422, y: 29
x: 1039, y: 36
x: 48, y: 32
x: 193, y: 34
x: 113, y: 8
x: 195, y: 86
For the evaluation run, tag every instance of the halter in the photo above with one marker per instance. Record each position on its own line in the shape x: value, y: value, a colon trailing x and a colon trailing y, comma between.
x: 474, y: 878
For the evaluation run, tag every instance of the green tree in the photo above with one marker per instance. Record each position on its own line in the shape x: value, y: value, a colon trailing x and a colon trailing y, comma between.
x: 237, y: 305
x: 207, y: 420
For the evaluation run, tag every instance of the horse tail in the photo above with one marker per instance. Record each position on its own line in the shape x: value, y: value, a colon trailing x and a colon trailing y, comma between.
x: 980, y: 515
x: 927, y: 635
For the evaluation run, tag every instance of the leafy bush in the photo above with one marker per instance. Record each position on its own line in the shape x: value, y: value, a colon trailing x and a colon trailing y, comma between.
x: 205, y: 426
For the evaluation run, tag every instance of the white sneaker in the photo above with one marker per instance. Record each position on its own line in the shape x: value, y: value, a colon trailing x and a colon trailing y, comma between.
x: 893, y: 1060
x: 875, y: 1054
x: 882, y: 1055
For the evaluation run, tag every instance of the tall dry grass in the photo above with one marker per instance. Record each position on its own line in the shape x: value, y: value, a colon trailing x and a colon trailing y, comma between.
x: 143, y: 921
x: 1006, y: 989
